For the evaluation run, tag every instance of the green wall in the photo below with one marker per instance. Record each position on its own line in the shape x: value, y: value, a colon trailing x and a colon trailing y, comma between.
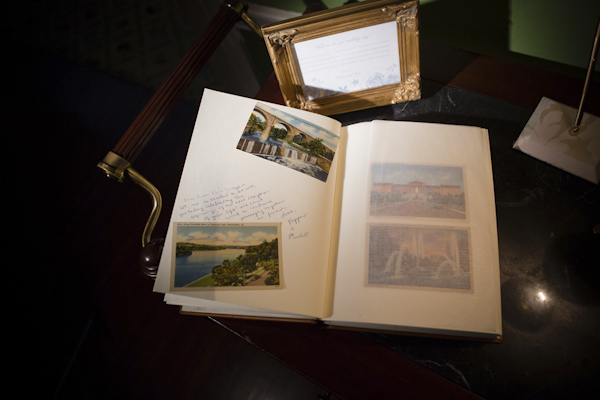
x: 550, y: 34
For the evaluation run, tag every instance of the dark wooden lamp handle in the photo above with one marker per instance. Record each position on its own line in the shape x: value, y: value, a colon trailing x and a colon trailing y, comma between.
x: 117, y: 163
x: 167, y: 95
x: 170, y: 92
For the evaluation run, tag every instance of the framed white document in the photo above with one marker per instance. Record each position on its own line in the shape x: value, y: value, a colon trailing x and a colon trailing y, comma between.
x: 358, y: 56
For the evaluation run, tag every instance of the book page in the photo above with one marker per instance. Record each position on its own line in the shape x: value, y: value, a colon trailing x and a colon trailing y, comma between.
x: 208, y: 307
x: 251, y: 223
x: 418, y: 240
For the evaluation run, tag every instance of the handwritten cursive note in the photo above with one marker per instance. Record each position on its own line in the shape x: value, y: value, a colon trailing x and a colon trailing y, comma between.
x: 242, y: 203
x: 349, y: 61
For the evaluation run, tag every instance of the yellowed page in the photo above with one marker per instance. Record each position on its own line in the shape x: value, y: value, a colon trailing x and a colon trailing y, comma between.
x: 360, y: 129
x: 234, y: 187
x: 415, y: 252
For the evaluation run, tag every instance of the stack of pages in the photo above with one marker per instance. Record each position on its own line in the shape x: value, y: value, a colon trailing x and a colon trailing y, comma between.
x: 382, y: 225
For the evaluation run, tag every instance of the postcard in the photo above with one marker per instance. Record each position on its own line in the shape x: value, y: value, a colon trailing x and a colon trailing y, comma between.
x: 289, y: 141
x: 226, y: 255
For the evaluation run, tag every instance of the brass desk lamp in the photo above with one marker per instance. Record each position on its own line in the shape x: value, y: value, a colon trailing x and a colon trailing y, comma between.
x: 117, y: 164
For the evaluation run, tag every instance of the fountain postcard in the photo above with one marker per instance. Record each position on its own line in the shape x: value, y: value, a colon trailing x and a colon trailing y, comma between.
x: 427, y: 257
x: 287, y: 140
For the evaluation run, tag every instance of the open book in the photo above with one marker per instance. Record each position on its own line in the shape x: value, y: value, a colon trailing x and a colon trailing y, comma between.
x: 285, y: 214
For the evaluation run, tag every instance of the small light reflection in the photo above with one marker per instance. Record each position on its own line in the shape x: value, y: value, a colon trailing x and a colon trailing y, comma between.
x: 541, y: 296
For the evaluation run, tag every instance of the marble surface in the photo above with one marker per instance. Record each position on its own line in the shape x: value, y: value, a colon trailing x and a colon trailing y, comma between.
x: 549, y: 260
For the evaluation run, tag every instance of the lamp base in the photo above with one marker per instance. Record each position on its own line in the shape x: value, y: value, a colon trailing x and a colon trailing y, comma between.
x: 548, y: 136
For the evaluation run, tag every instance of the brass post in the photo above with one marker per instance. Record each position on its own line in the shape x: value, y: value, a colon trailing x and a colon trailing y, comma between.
x: 156, y: 203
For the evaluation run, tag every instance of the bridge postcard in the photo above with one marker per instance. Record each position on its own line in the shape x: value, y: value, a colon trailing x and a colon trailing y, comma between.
x: 287, y: 140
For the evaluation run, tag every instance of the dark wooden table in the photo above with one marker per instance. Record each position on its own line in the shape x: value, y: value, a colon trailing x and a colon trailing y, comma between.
x: 81, y: 235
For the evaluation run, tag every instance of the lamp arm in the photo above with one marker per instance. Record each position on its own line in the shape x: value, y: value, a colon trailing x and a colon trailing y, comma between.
x: 117, y: 163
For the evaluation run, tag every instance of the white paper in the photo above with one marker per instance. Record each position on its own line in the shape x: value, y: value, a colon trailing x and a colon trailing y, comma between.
x: 215, y: 171
x: 357, y: 300
x: 547, y: 137
x: 359, y: 59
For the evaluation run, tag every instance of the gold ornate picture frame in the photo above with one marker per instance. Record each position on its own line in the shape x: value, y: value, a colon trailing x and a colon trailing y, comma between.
x: 357, y: 56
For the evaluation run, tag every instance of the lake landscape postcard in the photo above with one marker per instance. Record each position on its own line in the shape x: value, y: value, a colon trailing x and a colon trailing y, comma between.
x: 226, y: 256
